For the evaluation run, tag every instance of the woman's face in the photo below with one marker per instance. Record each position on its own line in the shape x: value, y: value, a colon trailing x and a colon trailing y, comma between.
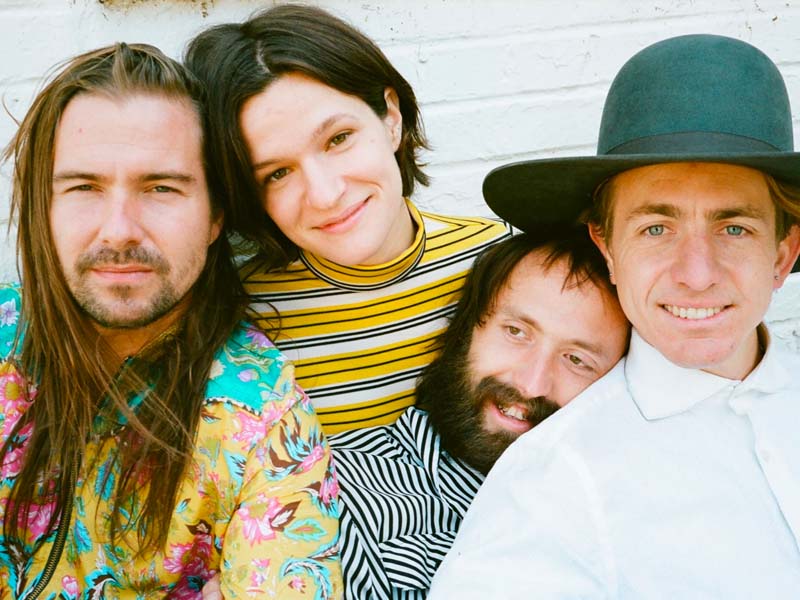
x: 325, y: 162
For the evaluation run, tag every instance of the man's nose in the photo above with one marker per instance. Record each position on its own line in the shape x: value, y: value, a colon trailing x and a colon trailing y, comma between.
x: 696, y: 263
x: 120, y: 226
x: 533, y: 376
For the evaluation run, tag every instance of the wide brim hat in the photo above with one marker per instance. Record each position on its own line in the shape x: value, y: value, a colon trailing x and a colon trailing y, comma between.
x: 703, y: 98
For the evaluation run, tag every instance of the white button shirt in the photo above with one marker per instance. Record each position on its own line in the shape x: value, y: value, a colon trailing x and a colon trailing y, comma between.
x: 656, y: 482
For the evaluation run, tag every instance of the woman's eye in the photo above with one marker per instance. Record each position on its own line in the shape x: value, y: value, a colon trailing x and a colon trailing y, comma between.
x: 514, y: 331
x: 278, y: 174
x: 339, y: 138
x: 735, y: 230
x: 655, y: 230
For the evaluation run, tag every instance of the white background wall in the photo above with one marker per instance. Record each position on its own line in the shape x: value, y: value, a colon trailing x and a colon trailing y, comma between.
x: 498, y: 80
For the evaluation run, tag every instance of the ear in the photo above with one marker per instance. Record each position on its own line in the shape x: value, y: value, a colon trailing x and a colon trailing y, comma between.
x: 216, y: 228
x: 393, y: 119
x: 596, y: 233
x: 788, y: 250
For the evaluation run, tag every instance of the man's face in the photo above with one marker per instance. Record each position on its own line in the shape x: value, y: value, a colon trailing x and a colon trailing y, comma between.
x: 540, y: 347
x: 130, y: 213
x: 695, y: 258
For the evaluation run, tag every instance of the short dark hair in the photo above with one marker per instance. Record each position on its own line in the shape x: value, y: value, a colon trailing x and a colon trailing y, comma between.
x: 239, y: 60
x: 492, y: 269
x: 444, y: 378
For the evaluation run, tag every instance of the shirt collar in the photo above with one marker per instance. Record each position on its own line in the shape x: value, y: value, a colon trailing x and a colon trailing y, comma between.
x: 362, y: 277
x: 663, y: 389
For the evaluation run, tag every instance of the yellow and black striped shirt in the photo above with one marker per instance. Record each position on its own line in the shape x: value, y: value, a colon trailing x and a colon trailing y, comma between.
x: 360, y: 336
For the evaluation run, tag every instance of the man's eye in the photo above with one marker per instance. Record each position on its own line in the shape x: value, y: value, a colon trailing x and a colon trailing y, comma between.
x: 514, y: 331
x: 735, y: 230
x: 655, y: 230
x: 339, y: 138
x: 575, y: 360
x: 278, y: 174
x: 84, y: 187
x: 163, y: 189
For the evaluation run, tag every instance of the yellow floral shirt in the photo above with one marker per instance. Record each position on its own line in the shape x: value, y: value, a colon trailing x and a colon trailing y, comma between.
x: 257, y: 505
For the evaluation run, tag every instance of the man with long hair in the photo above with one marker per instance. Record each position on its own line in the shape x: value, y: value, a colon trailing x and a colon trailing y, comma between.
x: 150, y: 438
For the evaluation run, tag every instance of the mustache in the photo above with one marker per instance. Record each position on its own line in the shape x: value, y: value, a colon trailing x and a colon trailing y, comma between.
x: 135, y: 254
x: 537, y: 408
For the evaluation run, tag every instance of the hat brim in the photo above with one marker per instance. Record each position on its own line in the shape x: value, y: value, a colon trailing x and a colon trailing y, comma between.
x: 537, y: 194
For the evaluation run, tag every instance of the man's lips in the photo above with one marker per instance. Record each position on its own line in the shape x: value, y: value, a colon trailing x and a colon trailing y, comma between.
x: 695, y: 313
x: 507, y: 417
x: 344, y: 220
x: 125, y: 273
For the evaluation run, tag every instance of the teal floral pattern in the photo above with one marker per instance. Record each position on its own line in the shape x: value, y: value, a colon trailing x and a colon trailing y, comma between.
x: 258, y: 504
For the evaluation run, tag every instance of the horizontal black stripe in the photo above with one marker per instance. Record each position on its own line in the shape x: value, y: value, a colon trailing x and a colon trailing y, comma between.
x: 289, y: 344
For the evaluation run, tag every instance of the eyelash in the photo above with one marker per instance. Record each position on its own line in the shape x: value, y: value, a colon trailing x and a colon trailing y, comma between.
x: 283, y: 171
x: 344, y: 135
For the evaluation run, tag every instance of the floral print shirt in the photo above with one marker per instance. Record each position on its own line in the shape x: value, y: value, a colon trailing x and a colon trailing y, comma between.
x: 258, y: 504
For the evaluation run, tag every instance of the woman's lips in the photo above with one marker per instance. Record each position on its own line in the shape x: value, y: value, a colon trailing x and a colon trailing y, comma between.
x: 345, y: 220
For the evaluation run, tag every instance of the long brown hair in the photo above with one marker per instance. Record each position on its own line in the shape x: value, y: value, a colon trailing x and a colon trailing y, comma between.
x: 237, y: 61
x: 61, y: 353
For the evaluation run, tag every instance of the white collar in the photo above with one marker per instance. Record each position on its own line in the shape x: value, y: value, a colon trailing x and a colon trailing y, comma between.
x: 662, y: 389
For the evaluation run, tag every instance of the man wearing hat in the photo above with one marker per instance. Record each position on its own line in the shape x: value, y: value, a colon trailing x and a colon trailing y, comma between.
x: 677, y: 475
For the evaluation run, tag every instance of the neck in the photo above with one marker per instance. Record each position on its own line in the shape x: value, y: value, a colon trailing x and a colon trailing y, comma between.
x: 400, y: 240
x: 744, y: 360
x: 129, y: 342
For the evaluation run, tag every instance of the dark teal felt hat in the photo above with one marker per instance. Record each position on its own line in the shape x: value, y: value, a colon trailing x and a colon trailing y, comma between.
x: 691, y: 98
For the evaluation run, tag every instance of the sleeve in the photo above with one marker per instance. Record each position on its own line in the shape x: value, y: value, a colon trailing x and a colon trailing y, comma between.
x: 535, y: 530
x: 9, y: 317
x: 282, y: 540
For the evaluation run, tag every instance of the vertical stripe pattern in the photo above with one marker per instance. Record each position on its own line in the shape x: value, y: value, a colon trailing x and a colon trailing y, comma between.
x: 402, y: 499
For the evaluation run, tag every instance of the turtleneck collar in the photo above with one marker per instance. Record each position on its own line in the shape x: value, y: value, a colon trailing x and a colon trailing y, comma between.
x: 370, y: 277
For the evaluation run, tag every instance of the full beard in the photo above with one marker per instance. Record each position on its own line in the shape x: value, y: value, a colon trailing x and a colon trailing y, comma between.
x: 457, y: 407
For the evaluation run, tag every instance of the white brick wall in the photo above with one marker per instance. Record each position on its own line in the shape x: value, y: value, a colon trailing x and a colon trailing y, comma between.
x: 498, y: 80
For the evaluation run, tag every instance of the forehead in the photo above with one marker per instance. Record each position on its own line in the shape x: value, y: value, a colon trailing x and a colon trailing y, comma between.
x: 690, y: 189
x: 101, y: 131
x: 539, y: 295
x: 297, y: 104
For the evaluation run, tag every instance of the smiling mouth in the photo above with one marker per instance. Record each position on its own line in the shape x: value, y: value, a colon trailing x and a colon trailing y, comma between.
x: 514, y: 411
x: 692, y: 313
x: 343, y: 218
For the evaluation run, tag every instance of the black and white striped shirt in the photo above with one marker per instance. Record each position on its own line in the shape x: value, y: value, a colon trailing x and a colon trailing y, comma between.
x: 402, y: 502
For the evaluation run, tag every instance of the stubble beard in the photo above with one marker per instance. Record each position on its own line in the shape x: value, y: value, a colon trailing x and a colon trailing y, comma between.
x: 122, y: 310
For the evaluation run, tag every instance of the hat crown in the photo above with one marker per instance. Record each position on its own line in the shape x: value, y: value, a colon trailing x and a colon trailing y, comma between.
x: 697, y: 93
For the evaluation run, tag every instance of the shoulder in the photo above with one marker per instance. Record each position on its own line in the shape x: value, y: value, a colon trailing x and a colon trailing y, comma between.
x: 582, y: 422
x: 404, y: 434
x: 465, y: 227
x: 250, y: 372
x: 10, y: 308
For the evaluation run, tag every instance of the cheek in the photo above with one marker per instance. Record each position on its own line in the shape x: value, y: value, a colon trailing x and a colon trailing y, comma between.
x: 284, y: 211
x: 68, y: 237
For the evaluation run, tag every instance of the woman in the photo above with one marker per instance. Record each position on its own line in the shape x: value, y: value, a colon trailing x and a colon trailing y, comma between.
x: 316, y: 138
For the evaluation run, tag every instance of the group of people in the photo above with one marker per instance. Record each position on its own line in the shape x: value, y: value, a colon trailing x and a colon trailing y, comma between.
x: 241, y: 363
